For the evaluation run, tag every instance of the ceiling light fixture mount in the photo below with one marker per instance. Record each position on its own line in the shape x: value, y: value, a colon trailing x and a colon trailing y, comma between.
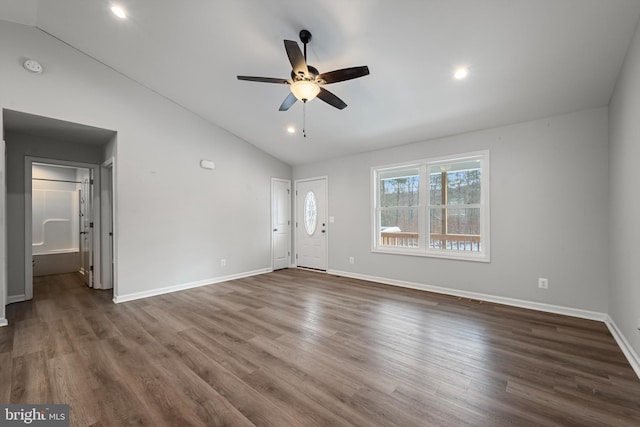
x: 33, y: 66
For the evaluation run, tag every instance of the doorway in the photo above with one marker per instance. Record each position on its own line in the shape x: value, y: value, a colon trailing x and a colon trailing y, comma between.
x: 60, y: 211
x: 60, y: 220
x: 311, y: 223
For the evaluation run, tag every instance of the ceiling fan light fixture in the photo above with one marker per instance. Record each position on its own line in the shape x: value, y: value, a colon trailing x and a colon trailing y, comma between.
x: 305, y: 90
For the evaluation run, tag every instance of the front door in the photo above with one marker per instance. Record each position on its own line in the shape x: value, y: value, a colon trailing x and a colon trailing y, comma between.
x: 311, y: 223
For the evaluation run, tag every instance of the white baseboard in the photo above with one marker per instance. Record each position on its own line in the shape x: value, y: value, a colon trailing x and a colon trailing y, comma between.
x: 16, y: 298
x: 166, y: 290
x: 3, y: 322
x: 624, y: 345
x: 556, y: 309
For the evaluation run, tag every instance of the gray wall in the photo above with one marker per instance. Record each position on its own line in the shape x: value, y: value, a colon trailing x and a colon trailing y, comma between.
x: 175, y: 221
x: 548, y: 212
x: 19, y: 146
x: 624, y: 135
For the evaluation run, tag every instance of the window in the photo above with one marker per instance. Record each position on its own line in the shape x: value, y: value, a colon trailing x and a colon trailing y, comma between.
x: 437, y: 207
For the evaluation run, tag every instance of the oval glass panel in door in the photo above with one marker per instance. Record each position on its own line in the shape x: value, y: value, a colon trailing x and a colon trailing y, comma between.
x: 310, y: 213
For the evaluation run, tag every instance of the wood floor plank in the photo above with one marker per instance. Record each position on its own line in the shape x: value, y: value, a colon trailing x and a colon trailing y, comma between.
x: 73, y: 389
x: 6, y: 369
x: 119, y: 403
x: 207, y: 366
x: 300, y: 348
x: 30, y: 382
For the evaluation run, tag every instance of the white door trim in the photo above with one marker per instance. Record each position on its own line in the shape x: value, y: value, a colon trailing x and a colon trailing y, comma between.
x: 326, y: 215
x: 28, y: 232
x: 108, y: 202
x: 4, y: 289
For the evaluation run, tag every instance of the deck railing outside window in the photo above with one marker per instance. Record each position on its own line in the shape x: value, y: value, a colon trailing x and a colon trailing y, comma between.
x: 455, y: 242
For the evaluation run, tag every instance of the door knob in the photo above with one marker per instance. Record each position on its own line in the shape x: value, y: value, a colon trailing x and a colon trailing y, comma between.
x: 275, y: 229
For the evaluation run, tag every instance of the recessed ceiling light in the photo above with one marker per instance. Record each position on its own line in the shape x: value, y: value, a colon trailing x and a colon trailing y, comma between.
x: 461, y: 73
x: 291, y: 129
x: 119, y: 12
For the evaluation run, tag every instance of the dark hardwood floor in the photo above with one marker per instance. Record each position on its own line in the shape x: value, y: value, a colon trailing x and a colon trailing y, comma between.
x: 295, y: 347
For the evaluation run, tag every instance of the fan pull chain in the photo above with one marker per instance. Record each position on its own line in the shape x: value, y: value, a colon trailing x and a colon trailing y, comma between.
x: 304, y: 119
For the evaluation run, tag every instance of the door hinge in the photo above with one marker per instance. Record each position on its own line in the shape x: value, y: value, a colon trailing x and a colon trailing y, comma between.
x: 296, y: 256
x: 91, y: 268
x: 288, y: 222
x: 296, y: 224
x: 90, y: 182
x: 296, y: 192
x: 90, y: 225
x: 288, y: 191
x: 288, y: 254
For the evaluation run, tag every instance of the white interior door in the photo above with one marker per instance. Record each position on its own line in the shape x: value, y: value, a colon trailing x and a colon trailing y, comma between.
x: 281, y: 223
x: 311, y: 223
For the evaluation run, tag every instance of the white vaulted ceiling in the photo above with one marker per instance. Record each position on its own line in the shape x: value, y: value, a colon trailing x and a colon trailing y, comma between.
x: 528, y: 59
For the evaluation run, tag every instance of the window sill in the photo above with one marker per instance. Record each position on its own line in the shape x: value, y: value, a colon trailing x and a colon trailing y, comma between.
x: 477, y: 257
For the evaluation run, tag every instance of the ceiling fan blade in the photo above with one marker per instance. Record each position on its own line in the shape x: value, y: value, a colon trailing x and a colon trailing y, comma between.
x: 264, y: 79
x: 296, y: 58
x: 344, y: 74
x: 331, y: 99
x: 288, y: 102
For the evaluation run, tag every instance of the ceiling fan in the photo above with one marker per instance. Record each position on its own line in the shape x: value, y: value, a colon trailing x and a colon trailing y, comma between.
x: 306, y: 81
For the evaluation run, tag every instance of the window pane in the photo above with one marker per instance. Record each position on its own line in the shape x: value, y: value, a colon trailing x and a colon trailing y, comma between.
x: 400, y: 190
x: 463, y: 183
x: 462, y: 232
x: 399, y: 227
x: 463, y: 187
x: 463, y: 221
x: 435, y: 188
x: 310, y: 213
x: 436, y: 219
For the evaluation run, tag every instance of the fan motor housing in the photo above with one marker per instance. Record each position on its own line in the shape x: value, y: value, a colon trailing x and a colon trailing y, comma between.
x: 313, y: 74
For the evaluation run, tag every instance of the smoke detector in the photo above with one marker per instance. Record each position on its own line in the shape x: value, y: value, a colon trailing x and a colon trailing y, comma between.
x: 33, y: 66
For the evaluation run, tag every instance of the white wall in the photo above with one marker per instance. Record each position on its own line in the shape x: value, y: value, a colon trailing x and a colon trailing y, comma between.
x: 175, y: 221
x: 548, y: 213
x: 624, y: 140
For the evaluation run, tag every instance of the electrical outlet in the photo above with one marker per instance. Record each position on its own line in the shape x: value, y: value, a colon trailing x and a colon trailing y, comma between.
x: 352, y: 260
x: 223, y: 262
x: 543, y: 283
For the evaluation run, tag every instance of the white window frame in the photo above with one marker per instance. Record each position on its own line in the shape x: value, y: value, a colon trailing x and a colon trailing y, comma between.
x: 424, y: 205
